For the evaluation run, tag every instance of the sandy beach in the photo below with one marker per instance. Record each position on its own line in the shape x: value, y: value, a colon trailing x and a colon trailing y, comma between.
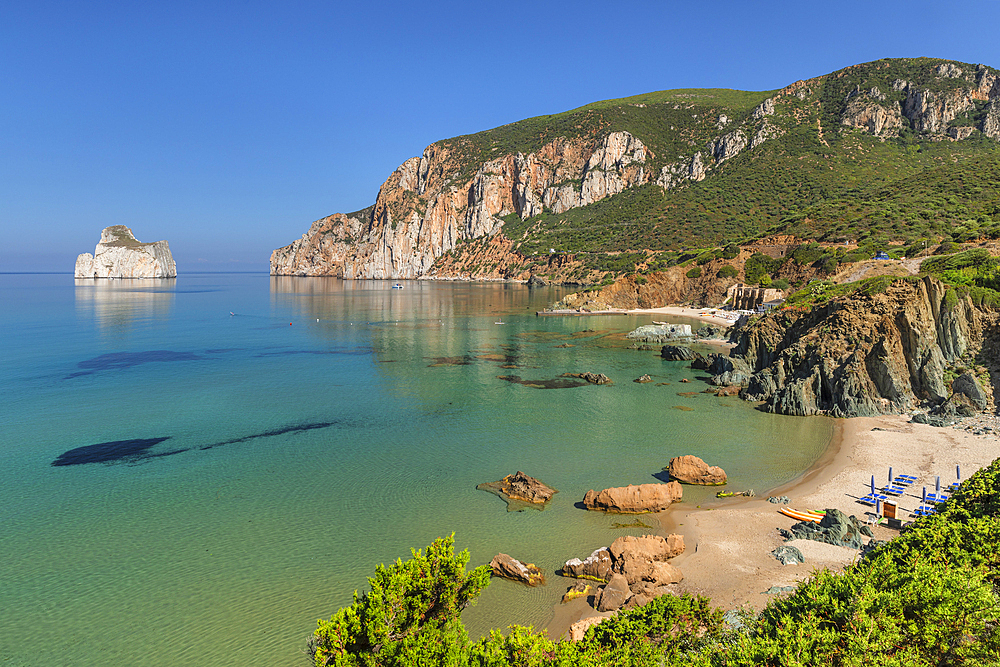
x: 729, y: 541
x: 704, y: 314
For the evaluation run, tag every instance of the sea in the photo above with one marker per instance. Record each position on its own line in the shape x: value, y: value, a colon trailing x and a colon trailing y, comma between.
x: 195, y: 470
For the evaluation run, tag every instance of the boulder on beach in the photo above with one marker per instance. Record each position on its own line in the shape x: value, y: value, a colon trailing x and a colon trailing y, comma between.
x: 690, y: 469
x: 510, y: 568
x: 642, y: 379
x: 634, y: 499
x: 592, y: 378
x: 614, y: 594
x: 835, y: 528
x: 520, y: 491
x: 787, y: 555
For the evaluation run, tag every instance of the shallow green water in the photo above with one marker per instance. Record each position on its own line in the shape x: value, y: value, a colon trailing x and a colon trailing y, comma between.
x: 295, y: 458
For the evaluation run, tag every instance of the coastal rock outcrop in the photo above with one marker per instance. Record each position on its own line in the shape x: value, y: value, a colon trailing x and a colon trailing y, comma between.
x: 678, y: 353
x: 634, y: 499
x: 633, y: 567
x: 431, y: 203
x: 507, y: 567
x: 519, y: 491
x: 690, y: 469
x: 120, y: 255
x: 884, y: 352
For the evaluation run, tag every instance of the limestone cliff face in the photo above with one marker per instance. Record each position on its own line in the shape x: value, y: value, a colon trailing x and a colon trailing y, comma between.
x: 928, y: 111
x: 862, y: 356
x: 425, y: 208
x: 120, y: 255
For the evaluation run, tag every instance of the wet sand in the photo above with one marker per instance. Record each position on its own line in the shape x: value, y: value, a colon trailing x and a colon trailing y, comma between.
x: 729, y: 541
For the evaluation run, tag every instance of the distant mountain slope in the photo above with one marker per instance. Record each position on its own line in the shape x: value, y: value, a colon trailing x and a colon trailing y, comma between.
x: 893, y: 149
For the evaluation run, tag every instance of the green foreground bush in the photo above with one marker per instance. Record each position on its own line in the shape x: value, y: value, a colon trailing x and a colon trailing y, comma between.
x: 928, y: 597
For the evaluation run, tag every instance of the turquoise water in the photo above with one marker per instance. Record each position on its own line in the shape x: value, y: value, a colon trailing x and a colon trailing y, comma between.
x: 262, y: 463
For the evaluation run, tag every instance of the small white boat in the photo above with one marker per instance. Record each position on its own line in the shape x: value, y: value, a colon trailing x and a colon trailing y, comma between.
x: 397, y: 286
x: 500, y: 321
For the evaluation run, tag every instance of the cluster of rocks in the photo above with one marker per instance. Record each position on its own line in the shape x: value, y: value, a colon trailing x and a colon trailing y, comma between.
x: 592, y: 378
x: 635, y: 570
x: 520, y: 491
x: 835, y: 528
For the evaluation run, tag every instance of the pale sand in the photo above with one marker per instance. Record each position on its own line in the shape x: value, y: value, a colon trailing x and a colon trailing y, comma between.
x: 729, y: 541
x: 703, y: 314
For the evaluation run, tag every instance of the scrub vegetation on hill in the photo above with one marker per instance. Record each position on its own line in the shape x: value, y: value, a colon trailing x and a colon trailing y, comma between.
x: 928, y: 597
x: 820, y: 180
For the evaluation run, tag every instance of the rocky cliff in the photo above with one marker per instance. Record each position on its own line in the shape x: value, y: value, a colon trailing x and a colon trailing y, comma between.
x: 120, y: 255
x: 495, y: 204
x: 867, y: 354
x: 425, y: 208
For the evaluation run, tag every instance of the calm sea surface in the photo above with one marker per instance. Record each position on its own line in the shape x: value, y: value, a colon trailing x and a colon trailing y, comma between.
x: 183, y: 486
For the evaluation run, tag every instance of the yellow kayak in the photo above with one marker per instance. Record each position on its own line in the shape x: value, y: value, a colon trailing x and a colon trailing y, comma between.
x: 802, y: 515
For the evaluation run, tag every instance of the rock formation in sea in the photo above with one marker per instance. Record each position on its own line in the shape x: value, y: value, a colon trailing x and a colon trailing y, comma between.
x: 885, y: 352
x: 690, y: 469
x: 508, y: 567
x: 120, y: 255
x: 520, y: 491
x: 634, y: 499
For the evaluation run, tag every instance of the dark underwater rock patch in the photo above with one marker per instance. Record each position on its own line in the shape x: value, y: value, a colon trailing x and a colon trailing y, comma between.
x: 553, y: 383
x: 117, y: 451
x: 297, y: 428
x: 121, y: 360
x: 137, y: 450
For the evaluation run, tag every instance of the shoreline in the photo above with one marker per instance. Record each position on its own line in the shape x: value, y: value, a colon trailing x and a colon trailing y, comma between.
x: 701, y: 314
x: 728, y: 541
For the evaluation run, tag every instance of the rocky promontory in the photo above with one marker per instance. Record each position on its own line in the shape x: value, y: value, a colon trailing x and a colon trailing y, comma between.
x: 887, y: 351
x: 120, y: 255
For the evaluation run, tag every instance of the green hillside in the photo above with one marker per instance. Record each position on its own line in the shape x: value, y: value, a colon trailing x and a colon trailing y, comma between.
x: 819, y: 180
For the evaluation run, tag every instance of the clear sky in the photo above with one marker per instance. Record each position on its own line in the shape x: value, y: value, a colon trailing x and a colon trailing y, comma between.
x: 227, y: 127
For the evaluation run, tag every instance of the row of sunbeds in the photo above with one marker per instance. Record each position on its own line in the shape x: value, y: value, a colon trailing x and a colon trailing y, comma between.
x: 900, y: 484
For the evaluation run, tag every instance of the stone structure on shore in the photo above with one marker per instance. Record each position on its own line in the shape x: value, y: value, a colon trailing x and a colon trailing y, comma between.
x: 120, y: 255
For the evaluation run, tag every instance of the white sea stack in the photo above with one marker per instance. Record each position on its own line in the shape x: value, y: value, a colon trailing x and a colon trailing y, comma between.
x: 120, y: 255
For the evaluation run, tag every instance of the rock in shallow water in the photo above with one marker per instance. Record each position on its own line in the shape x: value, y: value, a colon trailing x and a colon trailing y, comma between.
x: 633, y: 499
x: 510, y: 568
x: 120, y: 255
x: 520, y: 491
x: 692, y: 470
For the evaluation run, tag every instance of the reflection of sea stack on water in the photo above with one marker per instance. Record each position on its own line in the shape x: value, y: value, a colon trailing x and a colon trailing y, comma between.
x: 120, y: 255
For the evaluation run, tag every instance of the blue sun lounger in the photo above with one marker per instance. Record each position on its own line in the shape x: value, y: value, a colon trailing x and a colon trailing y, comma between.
x: 924, y: 510
x: 872, y: 498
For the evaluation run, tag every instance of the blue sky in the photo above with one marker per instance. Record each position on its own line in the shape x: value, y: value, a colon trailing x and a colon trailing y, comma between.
x: 227, y: 127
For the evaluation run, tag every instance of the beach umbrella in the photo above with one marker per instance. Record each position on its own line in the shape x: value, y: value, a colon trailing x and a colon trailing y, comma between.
x: 890, y: 474
x: 958, y: 472
x: 878, y: 507
x: 937, y: 485
x: 873, y: 485
x: 924, y: 501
